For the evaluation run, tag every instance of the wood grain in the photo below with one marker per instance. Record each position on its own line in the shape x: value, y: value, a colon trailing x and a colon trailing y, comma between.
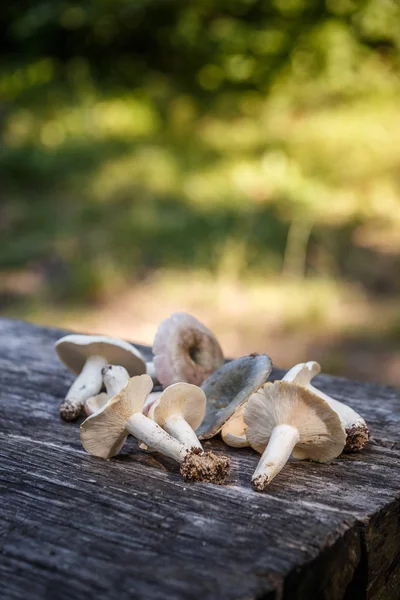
x: 74, y: 526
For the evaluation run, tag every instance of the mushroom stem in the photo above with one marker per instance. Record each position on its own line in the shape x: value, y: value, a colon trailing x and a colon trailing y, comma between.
x: 146, y: 430
x: 349, y: 415
x: 115, y: 378
x: 88, y: 383
x: 180, y: 429
x: 356, y: 428
x: 196, y: 465
x: 280, y: 446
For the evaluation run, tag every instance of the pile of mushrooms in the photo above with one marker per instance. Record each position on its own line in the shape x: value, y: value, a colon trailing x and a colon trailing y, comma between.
x: 196, y: 396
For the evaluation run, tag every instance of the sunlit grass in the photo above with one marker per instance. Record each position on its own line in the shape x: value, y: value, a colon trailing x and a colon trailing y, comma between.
x: 252, y: 308
x: 336, y: 324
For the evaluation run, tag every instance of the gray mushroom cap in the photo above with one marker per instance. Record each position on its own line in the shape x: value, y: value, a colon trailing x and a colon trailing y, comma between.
x: 74, y: 350
x: 229, y: 387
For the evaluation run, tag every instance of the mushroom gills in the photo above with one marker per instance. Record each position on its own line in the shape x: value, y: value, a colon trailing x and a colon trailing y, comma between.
x: 285, y: 419
x: 233, y: 432
x: 356, y: 428
x: 104, y: 433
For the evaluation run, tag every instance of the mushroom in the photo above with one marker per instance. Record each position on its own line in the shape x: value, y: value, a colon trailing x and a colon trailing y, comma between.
x: 355, y: 426
x: 94, y: 403
x: 230, y: 387
x: 104, y: 433
x: 114, y: 378
x: 233, y: 432
x: 180, y: 410
x: 150, y: 400
x: 284, y: 419
x: 185, y: 351
x: 86, y: 355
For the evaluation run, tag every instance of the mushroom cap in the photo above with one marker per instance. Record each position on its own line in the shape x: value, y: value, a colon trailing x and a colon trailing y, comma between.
x: 104, y: 433
x: 322, y: 435
x: 185, y: 350
x: 94, y: 403
x: 233, y: 432
x: 229, y: 387
x: 184, y: 399
x: 74, y: 350
x: 356, y: 428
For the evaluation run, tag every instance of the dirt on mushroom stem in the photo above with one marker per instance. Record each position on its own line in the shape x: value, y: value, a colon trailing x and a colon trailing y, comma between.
x: 260, y: 482
x: 357, y: 437
x: 70, y: 411
x: 205, y: 466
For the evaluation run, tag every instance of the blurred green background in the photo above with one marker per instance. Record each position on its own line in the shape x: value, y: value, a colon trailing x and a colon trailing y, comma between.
x: 239, y: 160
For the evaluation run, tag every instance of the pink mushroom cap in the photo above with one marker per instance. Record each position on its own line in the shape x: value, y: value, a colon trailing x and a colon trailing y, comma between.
x: 185, y: 350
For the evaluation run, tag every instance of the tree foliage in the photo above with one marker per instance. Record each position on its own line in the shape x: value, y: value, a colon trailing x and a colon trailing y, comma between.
x: 145, y: 134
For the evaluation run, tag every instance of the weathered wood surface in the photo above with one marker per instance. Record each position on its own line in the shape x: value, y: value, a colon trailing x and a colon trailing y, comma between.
x: 73, y: 526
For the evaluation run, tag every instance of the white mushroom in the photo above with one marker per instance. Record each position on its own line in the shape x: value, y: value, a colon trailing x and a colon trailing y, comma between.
x: 114, y: 378
x: 185, y: 350
x: 104, y: 433
x: 180, y: 410
x: 355, y: 426
x: 95, y: 403
x: 233, y: 432
x: 285, y: 419
x: 230, y: 387
x: 86, y: 355
x: 150, y: 400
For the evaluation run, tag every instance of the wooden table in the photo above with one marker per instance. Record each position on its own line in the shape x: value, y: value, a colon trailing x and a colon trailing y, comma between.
x: 74, y: 526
